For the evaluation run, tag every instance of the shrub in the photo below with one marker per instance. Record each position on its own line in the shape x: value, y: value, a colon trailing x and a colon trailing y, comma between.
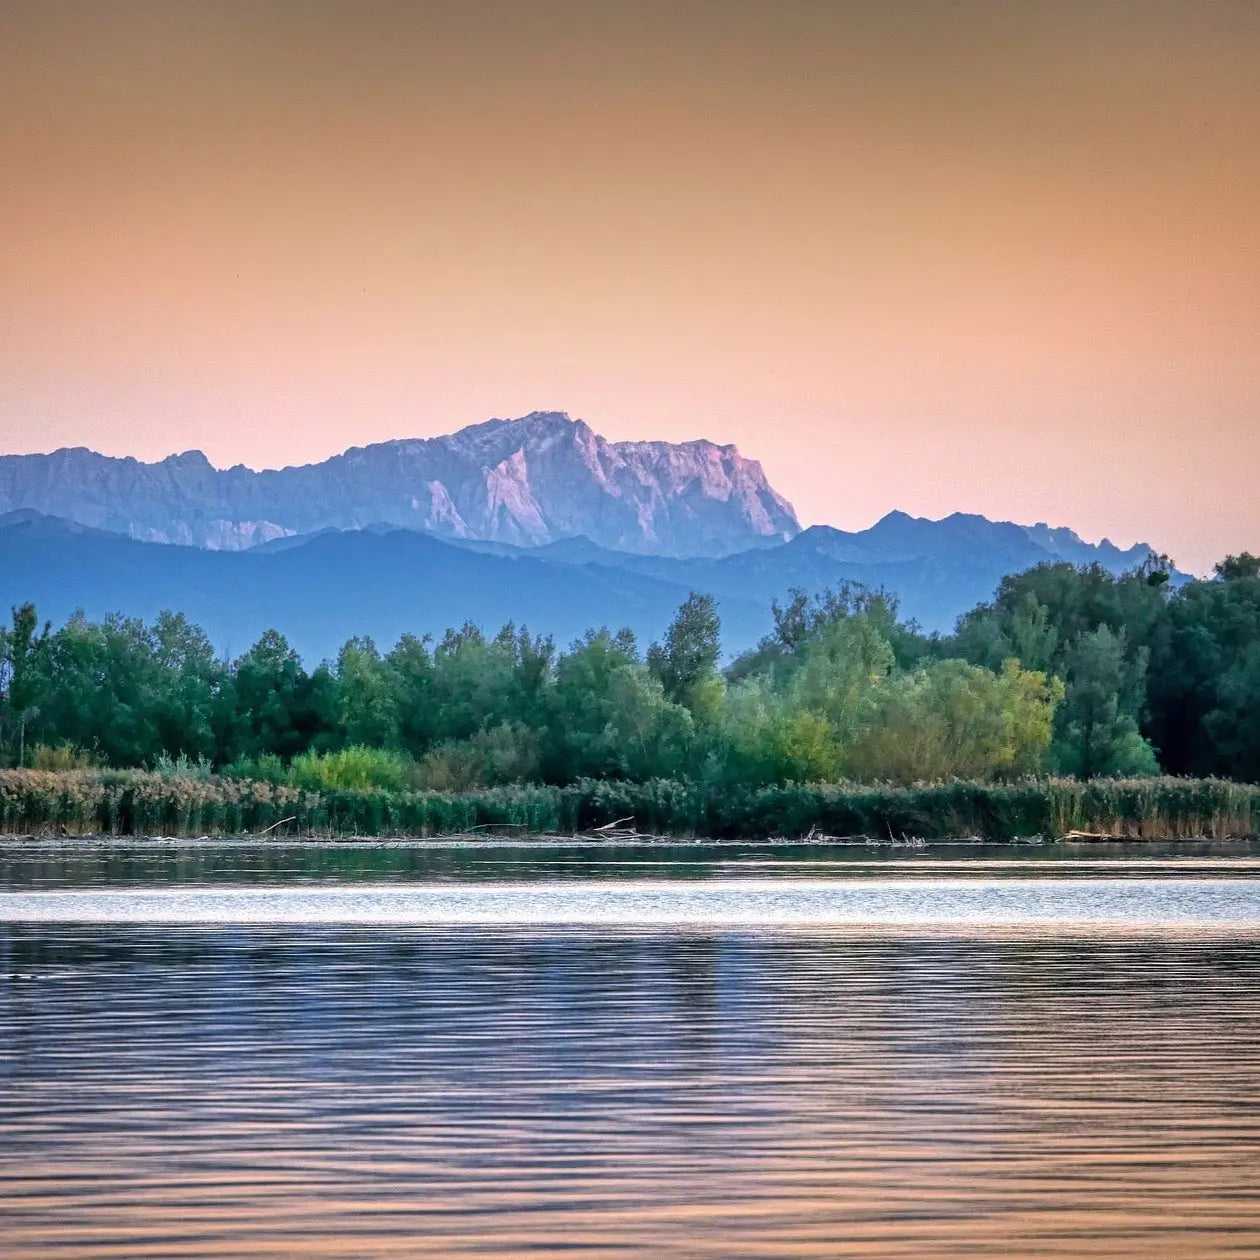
x: 182, y: 767
x: 454, y: 766
x: 266, y: 769
x: 357, y: 767
x: 62, y: 757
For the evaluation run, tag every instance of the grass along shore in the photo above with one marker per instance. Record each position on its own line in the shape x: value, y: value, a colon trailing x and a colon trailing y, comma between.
x: 148, y: 802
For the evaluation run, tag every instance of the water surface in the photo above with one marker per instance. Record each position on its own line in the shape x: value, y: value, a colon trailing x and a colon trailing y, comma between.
x: 127, y: 862
x: 938, y: 1053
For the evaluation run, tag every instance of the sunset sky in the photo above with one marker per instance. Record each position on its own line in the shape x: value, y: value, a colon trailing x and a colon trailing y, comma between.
x: 993, y: 257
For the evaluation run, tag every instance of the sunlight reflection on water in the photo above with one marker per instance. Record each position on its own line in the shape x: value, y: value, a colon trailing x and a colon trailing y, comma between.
x: 1161, y: 904
x: 884, y: 1066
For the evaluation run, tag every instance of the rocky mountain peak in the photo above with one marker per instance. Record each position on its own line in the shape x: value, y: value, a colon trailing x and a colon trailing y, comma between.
x: 529, y: 481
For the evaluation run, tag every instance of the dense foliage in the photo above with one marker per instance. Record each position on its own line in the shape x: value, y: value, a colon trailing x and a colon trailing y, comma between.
x: 1154, y: 678
x: 1070, y: 671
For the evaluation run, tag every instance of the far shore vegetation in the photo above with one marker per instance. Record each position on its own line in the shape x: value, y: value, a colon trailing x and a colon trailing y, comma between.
x: 1076, y: 701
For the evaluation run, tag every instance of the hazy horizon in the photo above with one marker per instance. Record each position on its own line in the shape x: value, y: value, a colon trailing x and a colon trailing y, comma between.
x: 928, y: 257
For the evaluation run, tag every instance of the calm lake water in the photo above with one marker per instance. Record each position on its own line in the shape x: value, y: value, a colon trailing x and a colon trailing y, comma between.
x: 685, y: 1050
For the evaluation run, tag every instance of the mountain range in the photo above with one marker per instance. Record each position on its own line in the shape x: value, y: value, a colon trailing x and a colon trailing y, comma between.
x: 726, y: 533
x: 531, y: 481
x: 325, y: 589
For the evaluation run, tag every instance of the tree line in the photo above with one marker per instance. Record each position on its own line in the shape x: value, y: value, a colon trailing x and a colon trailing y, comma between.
x: 1067, y: 670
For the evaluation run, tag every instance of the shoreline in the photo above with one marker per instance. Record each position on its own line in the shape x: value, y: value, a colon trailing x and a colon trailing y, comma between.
x: 594, y: 811
x: 597, y: 845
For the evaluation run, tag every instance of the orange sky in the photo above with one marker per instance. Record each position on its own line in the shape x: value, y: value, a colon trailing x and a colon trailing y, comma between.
x: 969, y: 256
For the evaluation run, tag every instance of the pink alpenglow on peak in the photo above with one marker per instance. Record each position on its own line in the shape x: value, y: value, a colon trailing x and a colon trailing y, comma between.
x: 527, y: 482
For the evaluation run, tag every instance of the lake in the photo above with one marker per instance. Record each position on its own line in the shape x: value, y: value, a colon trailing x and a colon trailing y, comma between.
x: 499, y: 1049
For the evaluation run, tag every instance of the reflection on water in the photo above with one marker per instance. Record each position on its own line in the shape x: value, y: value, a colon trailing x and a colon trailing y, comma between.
x: 959, y: 905
x: 288, y: 1090
x: 73, y: 863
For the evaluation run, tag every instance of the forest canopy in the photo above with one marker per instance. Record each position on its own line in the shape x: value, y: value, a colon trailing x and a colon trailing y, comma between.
x: 1071, y: 671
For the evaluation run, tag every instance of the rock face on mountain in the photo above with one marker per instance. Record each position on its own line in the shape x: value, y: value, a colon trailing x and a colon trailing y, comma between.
x: 529, y: 482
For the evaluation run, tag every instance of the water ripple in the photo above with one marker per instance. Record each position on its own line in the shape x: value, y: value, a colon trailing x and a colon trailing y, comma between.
x: 968, y: 904
x: 630, y: 1067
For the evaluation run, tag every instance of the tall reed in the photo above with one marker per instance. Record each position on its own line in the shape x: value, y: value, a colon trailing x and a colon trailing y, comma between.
x: 144, y: 802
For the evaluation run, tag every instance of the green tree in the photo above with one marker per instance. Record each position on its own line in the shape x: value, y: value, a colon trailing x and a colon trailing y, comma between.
x: 1075, y: 601
x: 689, y: 655
x: 70, y: 674
x: 1098, y: 732
x: 103, y: 689
x: 473, y: 683
x: 610, y: 716
x: 20, y: 677
x: 411, y: 668
x: 188, y: 687
x: 278, y: 707
x: 1232, y: 725
x: 1200, y: 665
x: 804, y: 618
x: 837, y: 670
x: 1237, y: 568
x: 795, y: 704
x: 949, y: 719
x: 367, y: 696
